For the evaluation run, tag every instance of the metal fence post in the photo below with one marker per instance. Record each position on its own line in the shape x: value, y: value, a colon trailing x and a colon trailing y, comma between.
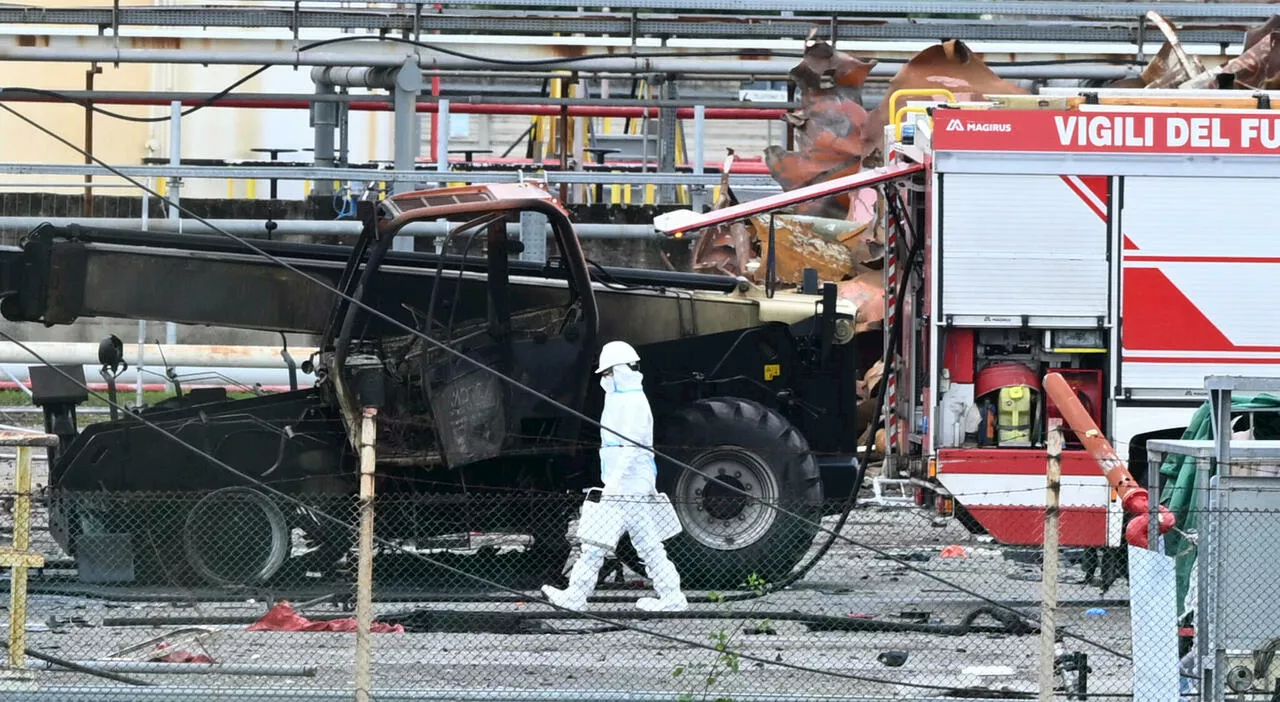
x: 17, y: 557
x: 364, y: 572
x: 1049, y: 576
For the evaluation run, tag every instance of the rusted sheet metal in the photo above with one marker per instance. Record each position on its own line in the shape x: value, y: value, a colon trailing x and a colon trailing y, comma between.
x: 866, y: 292
x: 1171, y: 66
x: 952, y: 66
x: 1257, y: 67
x: 829, y: 131
x: 806, y: 242
x: 724, y: 248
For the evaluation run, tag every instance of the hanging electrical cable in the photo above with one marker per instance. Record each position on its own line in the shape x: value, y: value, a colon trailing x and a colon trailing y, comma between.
x: 212, y: 100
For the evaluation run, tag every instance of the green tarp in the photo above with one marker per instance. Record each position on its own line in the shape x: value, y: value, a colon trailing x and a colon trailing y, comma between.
x: 1179, y: 479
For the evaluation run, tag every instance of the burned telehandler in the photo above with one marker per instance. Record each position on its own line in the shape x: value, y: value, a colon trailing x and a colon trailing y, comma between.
x: 755, y: 390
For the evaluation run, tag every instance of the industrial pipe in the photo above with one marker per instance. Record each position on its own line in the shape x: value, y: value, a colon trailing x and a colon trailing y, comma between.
x: 60, y: 353
x: 621, y: 111
x: 308, y: 227
x: 270, y: 52
x: 1134, y: 499
x: 464, y: 92
x: 273, y: 378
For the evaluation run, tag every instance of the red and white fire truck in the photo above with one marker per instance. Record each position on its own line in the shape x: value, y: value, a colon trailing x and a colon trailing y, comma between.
x: 1125, y: 239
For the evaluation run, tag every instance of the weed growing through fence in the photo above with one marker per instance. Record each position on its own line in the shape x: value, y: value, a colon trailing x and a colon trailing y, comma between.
x: 726, y: 661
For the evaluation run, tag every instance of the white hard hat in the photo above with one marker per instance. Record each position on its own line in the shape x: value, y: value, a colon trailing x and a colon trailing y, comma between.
x: 616, y: 353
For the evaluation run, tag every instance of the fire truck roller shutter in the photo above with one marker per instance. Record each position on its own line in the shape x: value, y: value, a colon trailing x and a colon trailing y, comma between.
x: 1022, y: 245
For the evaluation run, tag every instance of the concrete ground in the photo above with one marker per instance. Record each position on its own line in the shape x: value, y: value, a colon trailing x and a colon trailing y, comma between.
x: 851, y: 582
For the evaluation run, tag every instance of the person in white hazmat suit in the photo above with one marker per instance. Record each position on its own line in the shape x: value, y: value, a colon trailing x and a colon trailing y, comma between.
x: 629, y: 502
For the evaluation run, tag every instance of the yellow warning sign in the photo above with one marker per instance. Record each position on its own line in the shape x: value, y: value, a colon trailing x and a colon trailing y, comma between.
x: 771, y: 371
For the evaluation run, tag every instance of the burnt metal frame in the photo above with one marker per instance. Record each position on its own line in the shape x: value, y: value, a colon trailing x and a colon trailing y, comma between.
x: 380, y: 231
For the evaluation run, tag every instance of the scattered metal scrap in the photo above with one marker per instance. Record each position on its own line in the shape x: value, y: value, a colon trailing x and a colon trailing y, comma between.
x: 841, y: 237
x: 1256, y: 68
x: 830, y: 135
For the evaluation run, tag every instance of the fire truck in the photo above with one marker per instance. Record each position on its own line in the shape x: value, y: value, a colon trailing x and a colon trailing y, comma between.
x: 1121, y: 238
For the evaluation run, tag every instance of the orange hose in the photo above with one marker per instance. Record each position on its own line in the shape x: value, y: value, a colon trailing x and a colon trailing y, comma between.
x: 1134, y: 499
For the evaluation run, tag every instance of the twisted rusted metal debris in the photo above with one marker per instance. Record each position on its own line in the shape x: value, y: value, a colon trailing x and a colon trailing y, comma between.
x: 1256, y: 68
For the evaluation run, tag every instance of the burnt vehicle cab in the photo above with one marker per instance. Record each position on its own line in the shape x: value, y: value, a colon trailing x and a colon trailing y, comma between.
x: 746, y: 387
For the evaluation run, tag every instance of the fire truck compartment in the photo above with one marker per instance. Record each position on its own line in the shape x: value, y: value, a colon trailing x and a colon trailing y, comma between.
x: 999, y: 488
x: 1196, y: 281
x: 1019, y: 247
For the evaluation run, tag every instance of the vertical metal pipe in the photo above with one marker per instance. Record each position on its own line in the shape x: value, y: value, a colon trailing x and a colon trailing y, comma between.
x: 408, y: 84
x: 175, y: 190
x: 344, y: 132
x: 699, y: 154
x: 442, y: 143
x: 364, y: 567
x: 791, y: 130
x: 441, y: 155
x: 142, y: 323
x: 564, y: 145
x: 1049, y: 575
x: 87, y: 206
x: 324, y: 118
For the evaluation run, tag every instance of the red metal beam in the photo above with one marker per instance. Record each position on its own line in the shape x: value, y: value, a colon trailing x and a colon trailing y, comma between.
x: 740, y: 166
x: 682, y: 221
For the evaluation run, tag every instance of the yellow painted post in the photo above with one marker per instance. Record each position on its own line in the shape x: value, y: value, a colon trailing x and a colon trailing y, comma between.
x: 162, y: 186
x: 650, y: 193
x: 251, y: 189
x: 682, y: 191
x: 17, y: 557
x: 231, y: 189
x: 306, y: 188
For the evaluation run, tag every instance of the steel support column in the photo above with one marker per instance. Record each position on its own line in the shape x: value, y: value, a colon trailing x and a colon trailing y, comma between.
x: 667, y: 128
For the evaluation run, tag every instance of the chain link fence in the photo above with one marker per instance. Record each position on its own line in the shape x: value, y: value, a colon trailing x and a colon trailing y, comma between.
x: 236, y: 592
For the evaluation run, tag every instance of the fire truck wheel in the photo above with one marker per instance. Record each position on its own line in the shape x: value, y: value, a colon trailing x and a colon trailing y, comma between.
x: 728, y: 538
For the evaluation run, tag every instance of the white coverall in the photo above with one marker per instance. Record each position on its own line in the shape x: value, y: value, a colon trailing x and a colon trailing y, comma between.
x: 630, y: 502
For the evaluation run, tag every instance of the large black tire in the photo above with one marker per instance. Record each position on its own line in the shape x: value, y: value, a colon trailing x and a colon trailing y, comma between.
x: 727, y: 538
